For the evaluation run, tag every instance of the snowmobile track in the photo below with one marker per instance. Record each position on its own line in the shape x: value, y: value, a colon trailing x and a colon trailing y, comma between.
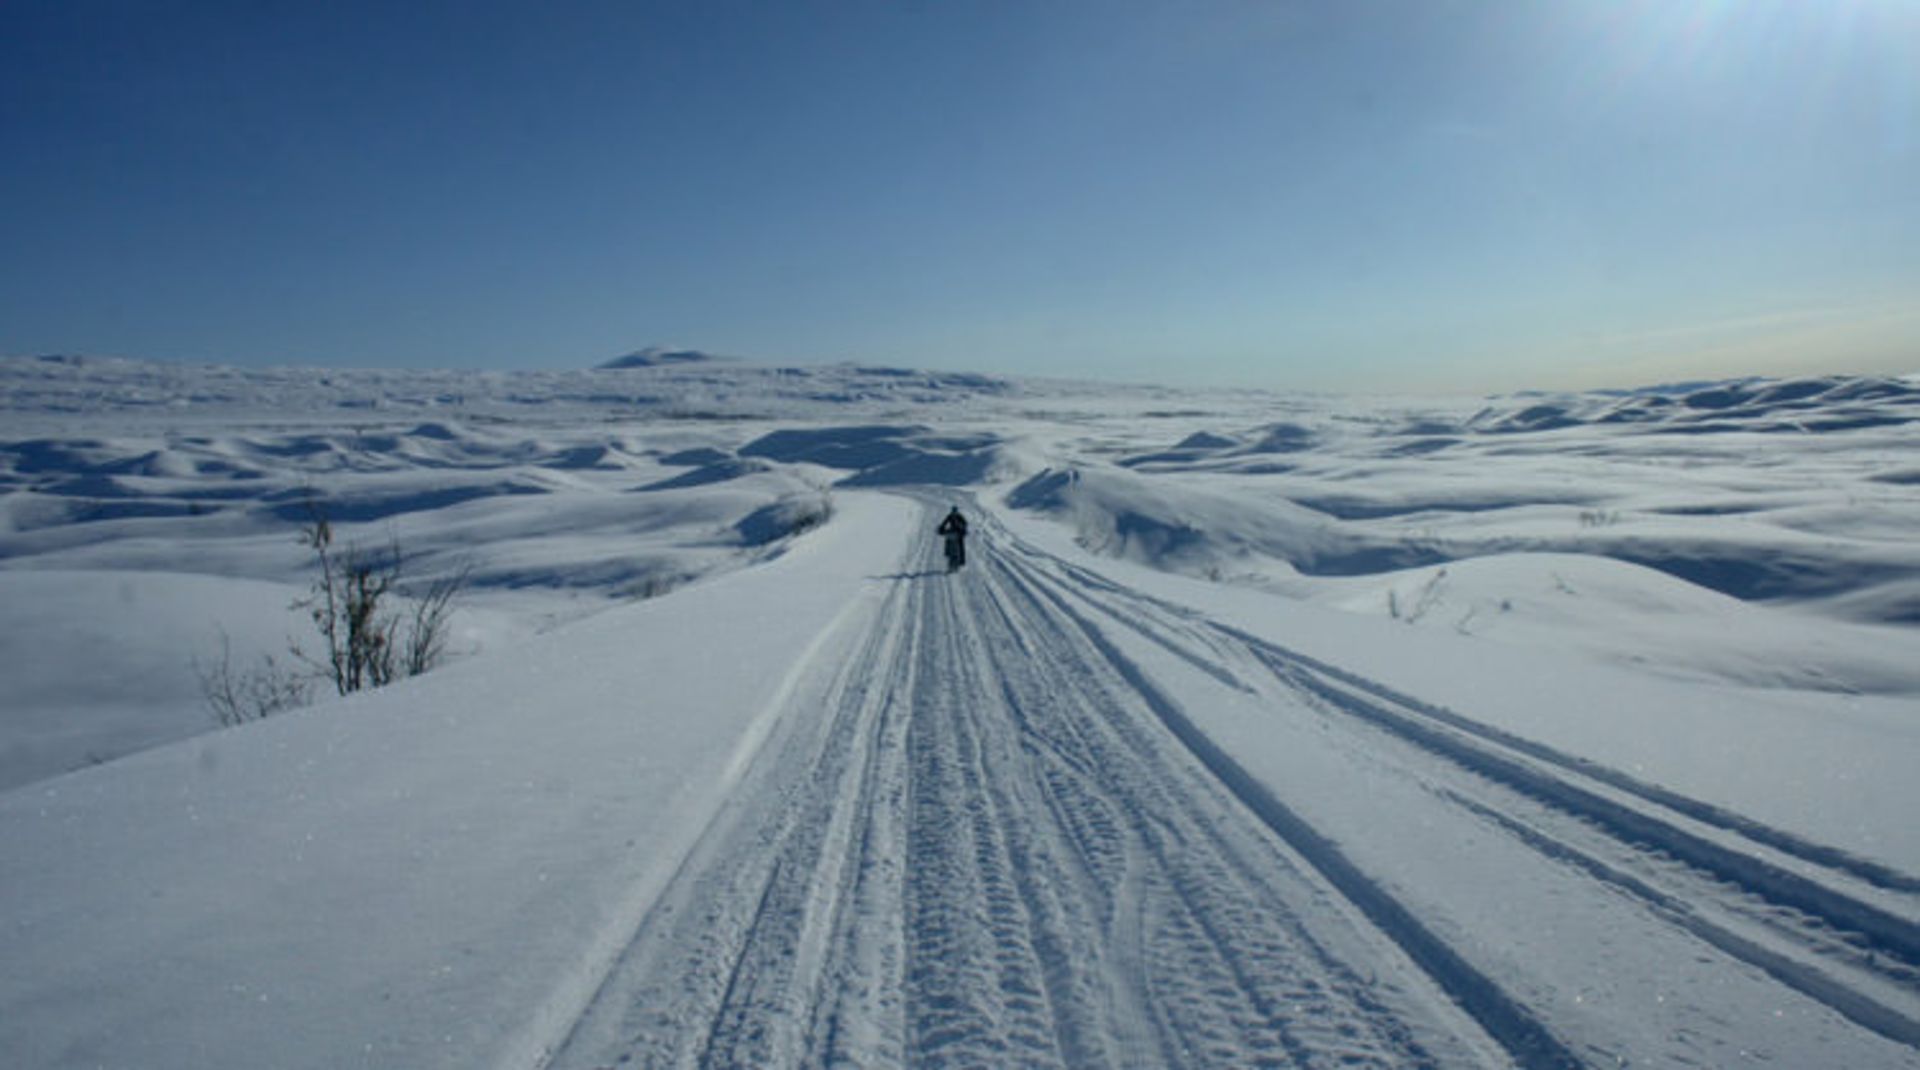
x: 984, y: 833
x: 969, y: 844
x: 1869, y: 954
x: 1526, y: 1040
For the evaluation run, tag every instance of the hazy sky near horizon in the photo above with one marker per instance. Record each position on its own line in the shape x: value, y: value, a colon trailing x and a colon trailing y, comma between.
x: 1349, y: 194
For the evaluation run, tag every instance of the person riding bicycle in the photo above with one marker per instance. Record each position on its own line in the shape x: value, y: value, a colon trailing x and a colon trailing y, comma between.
x: 954, y: 527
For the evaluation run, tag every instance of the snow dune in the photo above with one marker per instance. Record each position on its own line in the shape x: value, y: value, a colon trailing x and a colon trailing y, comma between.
x: 1545, y: 731
x: 428, y: 875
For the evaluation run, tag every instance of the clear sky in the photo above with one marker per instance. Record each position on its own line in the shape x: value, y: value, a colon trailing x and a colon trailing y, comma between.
x: 1347, y: 194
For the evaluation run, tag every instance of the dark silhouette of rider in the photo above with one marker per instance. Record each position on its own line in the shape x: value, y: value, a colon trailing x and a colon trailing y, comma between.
x: 954, y: 527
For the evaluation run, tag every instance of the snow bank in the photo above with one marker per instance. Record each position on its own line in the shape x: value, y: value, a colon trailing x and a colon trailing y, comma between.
x: 432, y: 875
x: 1720, y: 724
x: 1199, y: 530
x: 101, y: 664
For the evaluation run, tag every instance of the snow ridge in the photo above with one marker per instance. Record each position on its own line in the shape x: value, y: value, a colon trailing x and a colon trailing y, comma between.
x: 1546, y: 731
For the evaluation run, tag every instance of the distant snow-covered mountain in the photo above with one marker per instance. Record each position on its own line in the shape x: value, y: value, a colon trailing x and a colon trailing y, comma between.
x: 660, y: 356
x: 1807, y: 404
x: 1280, y: 714
x: 669, y: 384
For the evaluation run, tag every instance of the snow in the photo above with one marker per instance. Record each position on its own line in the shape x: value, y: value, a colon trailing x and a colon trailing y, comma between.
x: 1782, y: 745
x: 103, y: 663
x: 421, y: 876
x: 1551, y: 730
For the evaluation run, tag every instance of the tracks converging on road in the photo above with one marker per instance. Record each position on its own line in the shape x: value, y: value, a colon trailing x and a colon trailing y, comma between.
x: 993, y: 836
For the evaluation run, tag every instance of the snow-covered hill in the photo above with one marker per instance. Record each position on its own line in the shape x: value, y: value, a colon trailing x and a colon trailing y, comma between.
x: 660, y: 356
x: 1551, y: 730
x: 40, y: 389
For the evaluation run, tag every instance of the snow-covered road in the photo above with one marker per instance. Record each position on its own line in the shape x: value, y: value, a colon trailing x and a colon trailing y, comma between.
x: 1040, y: 818
x: 1262, y: 729
x: 843, y: 808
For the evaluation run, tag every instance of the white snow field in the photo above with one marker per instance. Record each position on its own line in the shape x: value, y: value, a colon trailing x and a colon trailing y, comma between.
x: 1259, y: 730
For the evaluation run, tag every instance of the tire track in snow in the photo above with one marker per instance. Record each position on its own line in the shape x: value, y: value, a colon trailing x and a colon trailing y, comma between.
x: 972, y: 845
x: 1178, y: 619
x: 978, y: 969
x: 1526, y: 1039
x: 1791, y: 918
x: 1869, y: 957
x: 1228, y: 898
x: 736, y: 963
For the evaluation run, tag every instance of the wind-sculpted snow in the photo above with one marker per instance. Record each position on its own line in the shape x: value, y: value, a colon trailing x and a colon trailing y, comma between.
x: 658, y: 388
x: 836, y: 447
x: 721, y: 470
x: 1036, y: 818
x: 982, y: 854
x: 887, y: 456
x: 630, y: 482
x: 546, y: 522
x: 1197, y: 530
x: 933, y: 467
x: 1259, y: 730
x: 1809, y: 405
x: 1817, y: 521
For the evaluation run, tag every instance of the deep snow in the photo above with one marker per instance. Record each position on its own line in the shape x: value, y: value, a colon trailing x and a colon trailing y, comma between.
x: 1565, y: 729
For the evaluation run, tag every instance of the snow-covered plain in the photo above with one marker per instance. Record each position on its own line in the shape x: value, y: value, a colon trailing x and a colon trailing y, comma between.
x: 1262, y: 729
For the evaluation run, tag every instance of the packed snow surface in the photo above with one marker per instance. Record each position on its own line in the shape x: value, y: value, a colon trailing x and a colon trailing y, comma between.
x: 1259, y: 729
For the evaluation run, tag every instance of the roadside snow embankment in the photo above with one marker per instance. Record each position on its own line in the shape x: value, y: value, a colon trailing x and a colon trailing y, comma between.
x: 1831, y: 767
x: 430, y: 875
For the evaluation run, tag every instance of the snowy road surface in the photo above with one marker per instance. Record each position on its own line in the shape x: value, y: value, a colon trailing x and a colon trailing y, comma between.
x: 1040, y: 819
x: 843, y: 808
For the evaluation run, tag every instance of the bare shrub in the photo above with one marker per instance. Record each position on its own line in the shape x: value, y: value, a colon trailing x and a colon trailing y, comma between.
x: 426, y: 632
x: 345, y: 608
x: 365, y: 641
x: 241, y: 695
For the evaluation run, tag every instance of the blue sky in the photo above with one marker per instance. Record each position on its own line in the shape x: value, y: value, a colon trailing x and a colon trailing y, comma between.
x: 1355, y: 194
